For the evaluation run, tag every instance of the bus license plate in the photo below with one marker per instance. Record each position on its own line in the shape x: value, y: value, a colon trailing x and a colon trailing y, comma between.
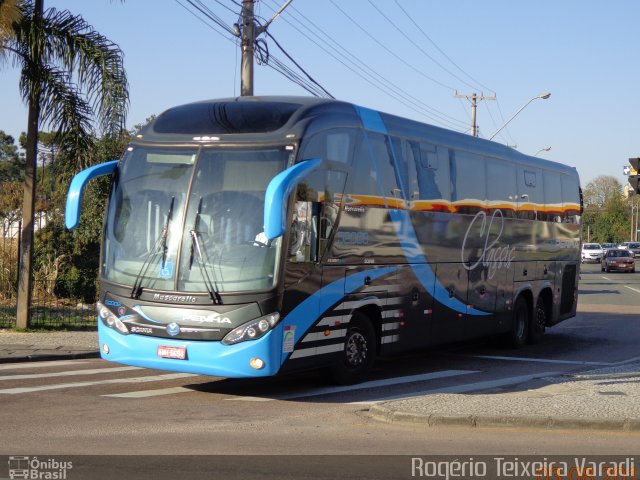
x: 178, y: 353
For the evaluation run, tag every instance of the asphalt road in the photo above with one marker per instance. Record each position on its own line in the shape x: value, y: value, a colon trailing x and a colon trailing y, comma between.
x: 91, y: 407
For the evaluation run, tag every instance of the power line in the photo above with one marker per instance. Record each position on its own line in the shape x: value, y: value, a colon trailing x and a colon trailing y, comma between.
x: 417, y: 25
x: 418, y: 46
x: 382, y: 45
x: 311, y: 79
x: 352, y: 62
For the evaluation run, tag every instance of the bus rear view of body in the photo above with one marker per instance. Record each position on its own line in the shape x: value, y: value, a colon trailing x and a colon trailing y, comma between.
x: 250, y: 236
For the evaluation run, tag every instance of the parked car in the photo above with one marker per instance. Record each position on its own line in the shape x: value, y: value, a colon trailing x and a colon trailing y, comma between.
x: 608, y: 246
x: 591, y: 252
x: 633, y: 246
x: 618, y: 259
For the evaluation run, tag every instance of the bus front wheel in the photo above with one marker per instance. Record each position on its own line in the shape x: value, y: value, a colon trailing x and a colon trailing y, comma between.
x: 358, y: 354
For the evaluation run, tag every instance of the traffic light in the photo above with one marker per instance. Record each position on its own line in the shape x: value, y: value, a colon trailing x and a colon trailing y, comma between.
x: 634, y: 175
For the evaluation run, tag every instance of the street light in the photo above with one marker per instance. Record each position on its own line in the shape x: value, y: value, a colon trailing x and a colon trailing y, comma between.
x: 544, y: 96
x: 542, y: 150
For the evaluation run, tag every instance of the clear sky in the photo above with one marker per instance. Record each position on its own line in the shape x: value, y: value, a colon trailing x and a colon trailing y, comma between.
x: 406, y: 57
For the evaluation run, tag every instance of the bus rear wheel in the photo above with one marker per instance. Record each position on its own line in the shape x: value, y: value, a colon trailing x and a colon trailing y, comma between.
x: 358, y: 354
x: 520, y: 323
x: 538, y: 325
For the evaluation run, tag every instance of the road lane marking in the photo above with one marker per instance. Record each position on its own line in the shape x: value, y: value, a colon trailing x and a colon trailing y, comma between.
x: 534, y: 360
x: 69, y: 373
x: 631, y: 288
x: 151, y: 378
x: 361, y: 386
x: 56, y: 363
x: 607, y: 278
x: 469, y: 387
x: 151, y: 393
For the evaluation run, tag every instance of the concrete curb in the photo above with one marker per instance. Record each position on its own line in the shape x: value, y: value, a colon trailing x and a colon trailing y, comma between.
x: 389, y: 415
x: 38, y: 357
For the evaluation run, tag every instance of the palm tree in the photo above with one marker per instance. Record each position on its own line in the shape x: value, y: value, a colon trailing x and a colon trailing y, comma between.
x: 70, y: 74
x: 9, y: 13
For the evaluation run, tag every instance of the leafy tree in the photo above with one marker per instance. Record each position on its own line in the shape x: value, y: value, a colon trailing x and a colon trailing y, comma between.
x: 75, y: 255
x: 606, y: 211
x: 11, y: 162
x: 601, y: 190
x: 70, y: 74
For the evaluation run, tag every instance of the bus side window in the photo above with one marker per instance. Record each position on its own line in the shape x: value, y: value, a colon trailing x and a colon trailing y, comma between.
x: 386, y: 172
x: 335, y: 146
x: 303, y: 234
x: 429, y: 162
x: 468, y: 182
x: 530, y: 193
x: 553, y: 197
x: 502, y: 190
x: 571, y: 199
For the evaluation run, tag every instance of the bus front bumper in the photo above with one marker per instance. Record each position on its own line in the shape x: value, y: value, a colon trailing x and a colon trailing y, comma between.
x: 201, y: 357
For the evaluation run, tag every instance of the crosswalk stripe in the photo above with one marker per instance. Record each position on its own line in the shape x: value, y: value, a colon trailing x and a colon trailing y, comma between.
x: 150, y: 393
x: 68, y: 373
x: 54, y: 363
x: 361, y: 386
x: 533, y: 360
x: 468, y: 387
x: 151, y: 378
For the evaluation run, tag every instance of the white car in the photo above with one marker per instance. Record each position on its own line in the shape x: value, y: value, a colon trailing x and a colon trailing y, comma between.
x: 591, y: 252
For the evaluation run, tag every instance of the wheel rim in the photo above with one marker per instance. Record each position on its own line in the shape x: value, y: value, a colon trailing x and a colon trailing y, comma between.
x: 356, y: 349
x: 521, y: 322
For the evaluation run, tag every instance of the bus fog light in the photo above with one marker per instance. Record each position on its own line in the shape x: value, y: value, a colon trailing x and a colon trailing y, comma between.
x: 256, y: 363
x: 105, y: 349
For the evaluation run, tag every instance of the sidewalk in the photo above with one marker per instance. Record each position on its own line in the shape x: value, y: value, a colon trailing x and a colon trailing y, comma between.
x: 603, y: 399
x: 25, y: 347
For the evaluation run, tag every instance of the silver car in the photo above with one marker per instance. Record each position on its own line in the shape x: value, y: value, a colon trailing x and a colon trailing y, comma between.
x: 591, y: 252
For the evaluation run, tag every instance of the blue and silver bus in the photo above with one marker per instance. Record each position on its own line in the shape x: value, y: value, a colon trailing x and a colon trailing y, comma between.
x: 250, y: 236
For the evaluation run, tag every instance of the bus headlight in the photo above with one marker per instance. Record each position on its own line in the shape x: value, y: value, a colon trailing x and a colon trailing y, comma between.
x: 252, y: 330
x: 110, y: 320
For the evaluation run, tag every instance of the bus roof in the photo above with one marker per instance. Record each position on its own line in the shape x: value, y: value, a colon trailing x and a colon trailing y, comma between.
x: 277, y: 118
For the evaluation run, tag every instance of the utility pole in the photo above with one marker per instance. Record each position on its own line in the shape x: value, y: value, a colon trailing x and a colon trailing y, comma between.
x: 249, y: 32
x: 247, y: 45
x: 473, y: 98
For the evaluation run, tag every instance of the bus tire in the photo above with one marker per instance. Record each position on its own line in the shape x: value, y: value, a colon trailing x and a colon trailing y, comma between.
x: 538, y: 324
x: 358, y: 354
x: 520, y: 323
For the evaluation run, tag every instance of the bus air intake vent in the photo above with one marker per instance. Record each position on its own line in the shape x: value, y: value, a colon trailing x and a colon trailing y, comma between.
x: 225, y: 117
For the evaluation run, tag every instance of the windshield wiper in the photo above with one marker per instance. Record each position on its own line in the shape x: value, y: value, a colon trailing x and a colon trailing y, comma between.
x: 160, y: 245
x: 212, y: 287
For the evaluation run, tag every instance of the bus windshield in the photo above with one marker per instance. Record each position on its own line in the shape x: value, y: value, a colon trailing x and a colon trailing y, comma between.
x: 191, y: 220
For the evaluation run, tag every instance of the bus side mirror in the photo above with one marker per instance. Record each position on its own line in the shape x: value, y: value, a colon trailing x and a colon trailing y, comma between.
x: 277, y: 194
x: 74, y: 196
